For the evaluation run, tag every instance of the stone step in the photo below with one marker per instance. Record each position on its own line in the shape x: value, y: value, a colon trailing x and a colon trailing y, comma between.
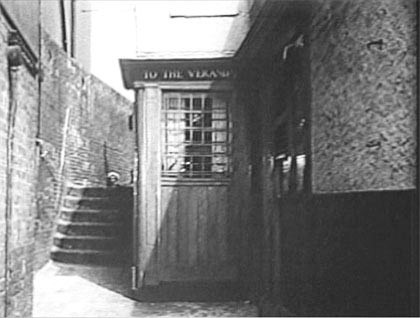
x: 91, y: 228
x: 92, y: 257
x: 91, y: 215
x: 115, y: 192
x: 76, y: 202
x: 98, y: 243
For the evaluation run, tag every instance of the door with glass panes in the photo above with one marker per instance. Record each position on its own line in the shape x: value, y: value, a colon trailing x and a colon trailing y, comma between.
x: 195, y: 170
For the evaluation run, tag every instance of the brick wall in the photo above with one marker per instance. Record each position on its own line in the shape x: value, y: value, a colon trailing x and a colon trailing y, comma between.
x: 4, y: 86
x: 17, y: 185
x: 82, y: 130
x: 84, y: 135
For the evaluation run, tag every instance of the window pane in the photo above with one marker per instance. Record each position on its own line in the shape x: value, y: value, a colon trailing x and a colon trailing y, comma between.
x: 188, y: 120
x: 187, y: 135
x: 207, y: 137
x: 197, y: 120
x: 207, y: 120
x: 173, y: 103
x: 197, y: 103
x: 195, y: 135
x: 208, y: 103
x: 207, y: 163
x: 186, y: 103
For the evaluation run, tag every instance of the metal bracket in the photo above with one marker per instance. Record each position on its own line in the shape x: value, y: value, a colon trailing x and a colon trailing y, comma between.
x: 298, y: 43
x: 19, y: 53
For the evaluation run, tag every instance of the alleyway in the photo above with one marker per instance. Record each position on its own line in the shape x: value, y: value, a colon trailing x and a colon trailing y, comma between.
x: 82, y: 291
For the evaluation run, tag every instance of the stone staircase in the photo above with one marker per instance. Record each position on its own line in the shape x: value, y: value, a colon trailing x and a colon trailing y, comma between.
x: 94, y: 226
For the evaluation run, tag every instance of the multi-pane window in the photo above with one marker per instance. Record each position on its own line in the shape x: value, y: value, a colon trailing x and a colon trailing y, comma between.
x: 195, y: 130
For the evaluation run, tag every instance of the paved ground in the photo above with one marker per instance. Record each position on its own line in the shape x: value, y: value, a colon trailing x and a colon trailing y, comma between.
x: 83, y: 291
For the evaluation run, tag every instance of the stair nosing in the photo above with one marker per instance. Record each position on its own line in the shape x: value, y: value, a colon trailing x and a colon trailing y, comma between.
x: 87, y: 251
x: 59, y: 235
x: 81, y: 186
x: 107, y: 224
x: 68, y: 209
x: 89, y: 198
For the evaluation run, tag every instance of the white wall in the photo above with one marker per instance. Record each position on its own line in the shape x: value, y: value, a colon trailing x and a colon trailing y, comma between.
x: 164, y: 33
x: 113, y: 36
x: 148, y: 29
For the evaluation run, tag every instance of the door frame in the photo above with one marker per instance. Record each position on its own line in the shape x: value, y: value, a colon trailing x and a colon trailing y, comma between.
x: 147, y: 177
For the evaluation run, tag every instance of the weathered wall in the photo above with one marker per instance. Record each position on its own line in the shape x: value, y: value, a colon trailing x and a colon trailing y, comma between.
x: 190, y: 30
x: 17, y: 184
x: 84, y: 133
x: 81, y: 127
x: 4, y: 88
x: 364, y: 95
x: 240, y: 193
x: 336, y: 253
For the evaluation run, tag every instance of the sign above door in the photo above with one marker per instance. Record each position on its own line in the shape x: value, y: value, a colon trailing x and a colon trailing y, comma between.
x: 176, y: 70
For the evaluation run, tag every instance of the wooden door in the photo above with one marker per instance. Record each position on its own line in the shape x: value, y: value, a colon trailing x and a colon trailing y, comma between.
x: 194, y: 190
x: 184, y: 223
x: 193, y: 234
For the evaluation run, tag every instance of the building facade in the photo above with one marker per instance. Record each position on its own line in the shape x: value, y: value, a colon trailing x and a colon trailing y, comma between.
x: 295, y: 159
x: 59, y: 125
x: 332, y: 99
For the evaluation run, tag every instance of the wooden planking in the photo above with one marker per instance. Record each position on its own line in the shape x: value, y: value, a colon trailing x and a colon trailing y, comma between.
x: 192, y: 226
x: 221, y: 218
x: 182, y: 220
x: 172, y: 216
x: 194, y: 240
x: 212, y: 227
x: 202, y: 241
x: 277, y: 251
x: 166, y: 198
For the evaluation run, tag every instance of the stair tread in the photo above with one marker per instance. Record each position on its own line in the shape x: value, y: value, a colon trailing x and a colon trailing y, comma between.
x: 76, y: 186
x: 56, y: 249
x: 89, y: 198
x: 101, y: 210
x: 91, y: 226
x: 105, y: 224
x: 59, y: 235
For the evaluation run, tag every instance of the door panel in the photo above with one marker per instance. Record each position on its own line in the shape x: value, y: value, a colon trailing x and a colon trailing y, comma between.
x: 193, y: 245
x: 184, y: 177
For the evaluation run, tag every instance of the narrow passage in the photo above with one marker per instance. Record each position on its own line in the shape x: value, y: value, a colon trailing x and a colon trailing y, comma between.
x: 62, y: 290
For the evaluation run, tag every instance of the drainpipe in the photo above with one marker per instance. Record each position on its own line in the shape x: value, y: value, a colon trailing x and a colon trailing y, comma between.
x: 38, y: 140
x: 72, y: 28
x: 63, y: 25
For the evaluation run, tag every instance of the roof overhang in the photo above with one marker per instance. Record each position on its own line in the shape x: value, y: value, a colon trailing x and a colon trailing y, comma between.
x: 277, y: 24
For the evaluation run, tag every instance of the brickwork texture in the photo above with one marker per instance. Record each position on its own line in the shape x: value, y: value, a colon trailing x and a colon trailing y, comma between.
x: 18, y: 91
x: 68, y: 128
x: 84, y: 134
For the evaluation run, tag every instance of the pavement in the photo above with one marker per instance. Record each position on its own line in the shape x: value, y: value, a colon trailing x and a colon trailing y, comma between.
x: 63, y: 290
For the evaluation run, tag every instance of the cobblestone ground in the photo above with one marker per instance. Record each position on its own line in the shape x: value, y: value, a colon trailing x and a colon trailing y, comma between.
x: 83, y: 291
